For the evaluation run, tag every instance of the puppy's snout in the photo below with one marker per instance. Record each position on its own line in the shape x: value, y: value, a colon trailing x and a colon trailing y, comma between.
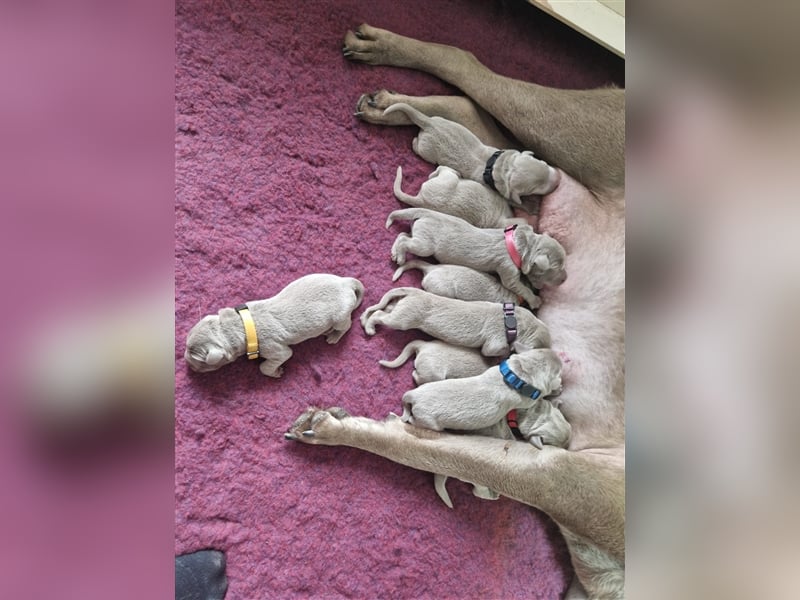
x: 553, y: 179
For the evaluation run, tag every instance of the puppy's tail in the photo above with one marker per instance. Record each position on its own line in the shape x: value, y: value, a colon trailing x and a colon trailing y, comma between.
x: 412, y: 264
x: 407, y: 214
x: 391, y: 296
x: 398, y: 191
x: 418, y: 118
x: 411, y: 348
x: 439, y: 482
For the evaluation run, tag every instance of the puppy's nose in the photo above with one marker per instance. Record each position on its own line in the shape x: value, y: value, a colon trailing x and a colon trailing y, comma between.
x: 562, y: 278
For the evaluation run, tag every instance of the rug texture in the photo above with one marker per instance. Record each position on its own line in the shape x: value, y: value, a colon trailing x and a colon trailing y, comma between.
x: 275, y: 178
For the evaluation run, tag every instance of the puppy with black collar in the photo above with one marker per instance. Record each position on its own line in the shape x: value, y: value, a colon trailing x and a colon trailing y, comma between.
x: 511, y: 173
x: 316, y: 304
x: 511, y: 253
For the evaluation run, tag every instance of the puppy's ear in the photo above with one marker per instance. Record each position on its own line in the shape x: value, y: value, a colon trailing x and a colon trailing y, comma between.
x: 519, y: 347
x: 527, y: 242
x: 541, y: 262
x: 215, y: 356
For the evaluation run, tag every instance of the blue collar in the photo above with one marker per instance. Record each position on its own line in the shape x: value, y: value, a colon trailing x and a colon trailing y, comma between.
x: 523, y: 387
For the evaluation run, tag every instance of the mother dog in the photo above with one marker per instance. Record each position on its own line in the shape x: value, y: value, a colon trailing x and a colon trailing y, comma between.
x: 582, y: 487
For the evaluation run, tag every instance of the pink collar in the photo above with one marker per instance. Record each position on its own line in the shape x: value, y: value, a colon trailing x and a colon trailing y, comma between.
x: 512, y: 247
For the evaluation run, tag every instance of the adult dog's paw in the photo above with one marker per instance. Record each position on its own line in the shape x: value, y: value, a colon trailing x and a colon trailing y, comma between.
x: 370, y: 107
x: 318, y: 426
x: 369, y: 45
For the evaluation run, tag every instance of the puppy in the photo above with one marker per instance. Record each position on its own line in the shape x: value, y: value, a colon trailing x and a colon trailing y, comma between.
x: 510, y: 254
x: 446, y: 192
x: 317, y: 304
x: 512, y: 173
x: 435, y: 360
x: 462, y: 283
x: 481, y: 401
x: 469, y: 324
x: 541, y: 425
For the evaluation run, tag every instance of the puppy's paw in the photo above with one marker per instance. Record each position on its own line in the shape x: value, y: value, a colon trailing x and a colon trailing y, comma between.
x: 270, y: 371
x: 318, y: 426
x: 398, y: 251
x: 533, y: 302
x: 334, y: 335
x: 369, y: 326
x: 481, y: 491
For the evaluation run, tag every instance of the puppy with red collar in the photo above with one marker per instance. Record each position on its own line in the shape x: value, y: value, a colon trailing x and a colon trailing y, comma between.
x: 512, y: 253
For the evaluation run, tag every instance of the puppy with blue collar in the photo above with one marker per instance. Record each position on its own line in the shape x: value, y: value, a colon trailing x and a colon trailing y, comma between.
x: 522, y: 381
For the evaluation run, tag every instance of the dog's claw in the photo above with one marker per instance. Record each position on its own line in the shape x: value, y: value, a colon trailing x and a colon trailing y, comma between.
x: 536, y: 440
x: 290, y: 436
x: 358, y: 34
x: 309, y: 433
x: 359, y: 101
x: 358, y: 114
x: 371, y: 102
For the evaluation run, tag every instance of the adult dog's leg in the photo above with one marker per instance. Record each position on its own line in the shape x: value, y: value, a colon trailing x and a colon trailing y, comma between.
x: 580, y: 131
x: 592, y: 509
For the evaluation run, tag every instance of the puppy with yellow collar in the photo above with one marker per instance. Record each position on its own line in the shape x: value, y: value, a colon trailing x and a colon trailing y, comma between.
x: 313, y: 305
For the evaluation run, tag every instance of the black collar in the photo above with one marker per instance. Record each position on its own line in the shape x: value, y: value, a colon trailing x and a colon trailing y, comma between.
x: 487, y: 172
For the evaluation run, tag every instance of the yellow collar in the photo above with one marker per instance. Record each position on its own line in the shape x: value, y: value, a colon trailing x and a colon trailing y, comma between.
x: 249, y: 331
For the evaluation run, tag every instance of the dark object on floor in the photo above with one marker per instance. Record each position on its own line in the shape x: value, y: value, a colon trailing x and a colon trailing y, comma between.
x: 200, y: 576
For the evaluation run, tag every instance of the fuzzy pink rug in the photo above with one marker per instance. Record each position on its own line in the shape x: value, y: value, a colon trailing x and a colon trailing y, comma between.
x: 275, y: 179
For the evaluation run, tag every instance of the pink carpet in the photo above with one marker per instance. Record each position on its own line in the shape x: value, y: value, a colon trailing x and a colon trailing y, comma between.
x: 275, y: 178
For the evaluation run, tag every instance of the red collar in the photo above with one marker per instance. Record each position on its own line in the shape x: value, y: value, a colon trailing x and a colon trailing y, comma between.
x: 511, y: 419
x: 512, y: 247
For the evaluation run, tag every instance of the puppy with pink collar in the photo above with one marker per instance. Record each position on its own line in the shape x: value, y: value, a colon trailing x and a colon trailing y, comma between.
x: 512, y: 253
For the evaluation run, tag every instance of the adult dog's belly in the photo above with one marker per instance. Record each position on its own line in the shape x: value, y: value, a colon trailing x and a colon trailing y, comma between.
x: 586, y: 313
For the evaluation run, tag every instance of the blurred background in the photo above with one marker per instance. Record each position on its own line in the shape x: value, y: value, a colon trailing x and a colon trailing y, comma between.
x: 713, y: 264
x: 86, y: 242
x: 86, y: 168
